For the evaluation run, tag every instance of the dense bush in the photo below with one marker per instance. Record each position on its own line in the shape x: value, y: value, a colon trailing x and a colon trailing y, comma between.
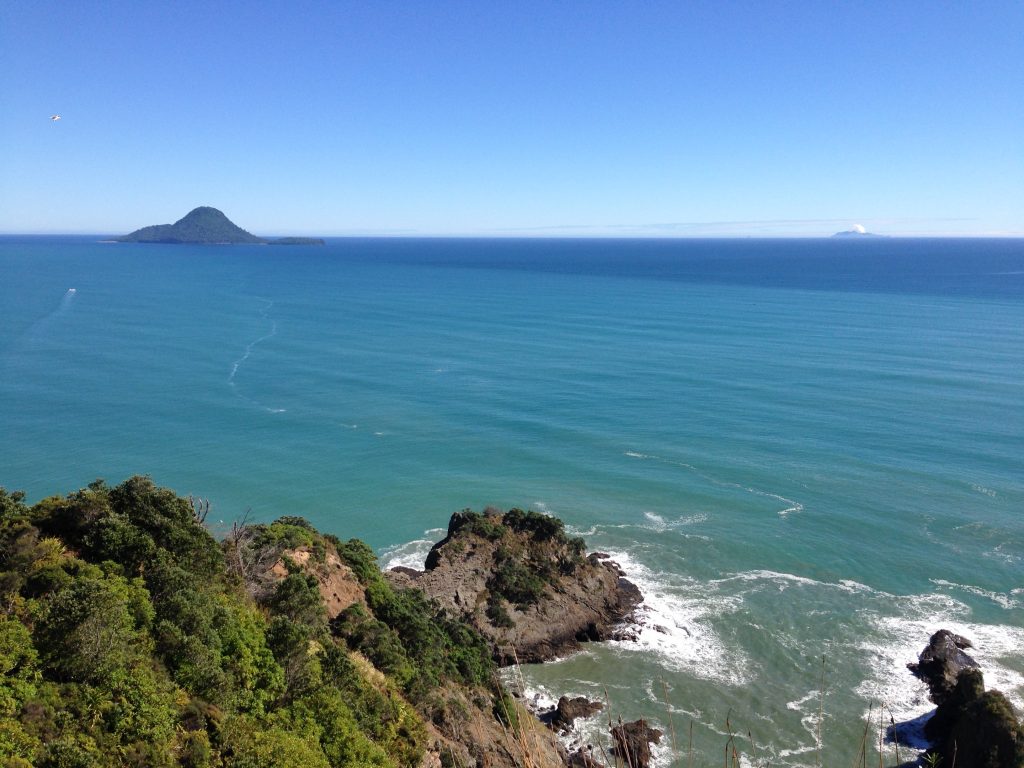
x: 124, y: 641
x: 538, y: 525
x: 487, y: 526
x: 408, y: 635
x: 515, y: 582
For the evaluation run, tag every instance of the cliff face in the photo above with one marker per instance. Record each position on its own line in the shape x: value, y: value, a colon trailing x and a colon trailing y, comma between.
x: 463, y: 723
x: 523, y: 584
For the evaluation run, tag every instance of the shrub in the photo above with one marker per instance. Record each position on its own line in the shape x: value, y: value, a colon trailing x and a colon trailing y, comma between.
x: 486, y: 526
x: 516, y: 583
x: 540, y: 526
x: 497, y: 613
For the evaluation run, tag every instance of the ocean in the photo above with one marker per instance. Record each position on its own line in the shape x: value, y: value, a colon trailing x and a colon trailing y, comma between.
x: 809, y: 454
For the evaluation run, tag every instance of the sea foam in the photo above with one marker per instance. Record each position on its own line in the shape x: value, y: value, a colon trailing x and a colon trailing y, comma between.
x: 675, y: 623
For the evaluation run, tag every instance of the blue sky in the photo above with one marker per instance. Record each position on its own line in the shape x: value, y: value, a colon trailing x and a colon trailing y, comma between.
x: 518, y: 118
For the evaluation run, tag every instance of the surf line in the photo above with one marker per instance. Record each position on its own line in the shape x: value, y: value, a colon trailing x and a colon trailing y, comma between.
x: 794, y: 506
x: 265, y: 314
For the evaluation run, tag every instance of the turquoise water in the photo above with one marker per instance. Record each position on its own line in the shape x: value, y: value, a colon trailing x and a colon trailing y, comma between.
x: 797, y: 448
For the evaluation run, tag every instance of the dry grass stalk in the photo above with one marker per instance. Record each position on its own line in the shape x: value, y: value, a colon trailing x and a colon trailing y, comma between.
x: 671, y: 725
x: 821, y: 712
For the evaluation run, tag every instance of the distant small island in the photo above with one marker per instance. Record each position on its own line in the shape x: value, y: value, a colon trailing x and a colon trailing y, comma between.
x: 857, y: 231
x: 206, y: 225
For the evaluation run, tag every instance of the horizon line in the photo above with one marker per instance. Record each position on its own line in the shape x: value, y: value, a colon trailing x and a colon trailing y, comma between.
x: 522, y: 235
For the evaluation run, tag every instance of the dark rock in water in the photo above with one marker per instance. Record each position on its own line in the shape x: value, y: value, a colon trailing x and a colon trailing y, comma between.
x: 941, y: 663
x: 633, y: 743
x: 568, y: 710
x: 975, y: 728
x: 583, y: 758
x: 970, y: 685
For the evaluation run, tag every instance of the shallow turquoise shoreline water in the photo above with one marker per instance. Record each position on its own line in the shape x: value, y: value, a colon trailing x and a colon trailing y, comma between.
x: 796, y: 448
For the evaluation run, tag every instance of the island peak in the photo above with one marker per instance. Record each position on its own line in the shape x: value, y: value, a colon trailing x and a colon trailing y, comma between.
x: 206, y: 225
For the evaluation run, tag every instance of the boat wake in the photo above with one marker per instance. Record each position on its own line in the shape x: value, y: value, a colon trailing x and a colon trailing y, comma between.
x: 791, y: 504
x: 265, y: 314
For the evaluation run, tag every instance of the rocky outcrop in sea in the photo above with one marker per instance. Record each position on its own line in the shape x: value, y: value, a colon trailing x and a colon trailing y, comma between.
x: 971, y: 727
x: 524, y: 585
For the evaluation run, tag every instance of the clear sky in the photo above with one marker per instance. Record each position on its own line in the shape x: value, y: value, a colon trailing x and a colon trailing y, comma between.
x: 514, y: 118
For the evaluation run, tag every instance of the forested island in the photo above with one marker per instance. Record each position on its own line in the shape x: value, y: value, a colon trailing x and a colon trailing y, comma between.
x: 207, y: 226
x: 131, y: 637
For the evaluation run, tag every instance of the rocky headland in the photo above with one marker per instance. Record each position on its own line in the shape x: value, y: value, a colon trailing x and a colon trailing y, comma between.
x: 529, y: 589
x: 515, y: 578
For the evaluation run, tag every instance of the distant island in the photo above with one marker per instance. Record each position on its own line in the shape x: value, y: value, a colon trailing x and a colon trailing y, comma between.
x: 205, y: 225
x: 857, y: 231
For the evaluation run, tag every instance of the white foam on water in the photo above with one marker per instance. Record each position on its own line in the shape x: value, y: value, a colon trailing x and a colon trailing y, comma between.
x: 593, y: 730
x: 1001, y: 599
x: 896, y: 640
x: 674, y: 623
x: 658, y: 521
x: 782, y: 580
x: 999, y: 553
x: 412, y: 554
x: 982, y: 489
x: 811, y: 707
x: 791, y: 504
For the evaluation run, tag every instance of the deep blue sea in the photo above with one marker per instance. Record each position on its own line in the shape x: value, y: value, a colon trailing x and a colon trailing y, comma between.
x: 798, y: 448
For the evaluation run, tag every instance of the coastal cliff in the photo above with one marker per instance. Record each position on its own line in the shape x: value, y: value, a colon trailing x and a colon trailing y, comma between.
x: 131, y: 637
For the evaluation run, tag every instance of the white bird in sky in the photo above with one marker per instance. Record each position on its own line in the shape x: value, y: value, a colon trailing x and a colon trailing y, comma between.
x: 55, y: 117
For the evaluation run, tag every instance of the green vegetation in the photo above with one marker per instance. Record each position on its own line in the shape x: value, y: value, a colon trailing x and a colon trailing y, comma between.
x: 201, y: 225
x: 487, y: 526
x: 408, y: 637
x: 130, y: 637
x: 533, y: 551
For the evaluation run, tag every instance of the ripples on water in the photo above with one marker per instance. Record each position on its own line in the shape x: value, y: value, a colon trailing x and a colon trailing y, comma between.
x: 797, y: 449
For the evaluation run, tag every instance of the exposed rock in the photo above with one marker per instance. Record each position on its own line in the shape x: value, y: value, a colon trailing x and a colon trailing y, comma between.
x: 523, y: 584
x: 583, y: 758
x: 562, y: 717
x: 338, y: 585
x: 975, y: 728
x: 941, y: 662
x: 464, y: 732
x: 633, y: 743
